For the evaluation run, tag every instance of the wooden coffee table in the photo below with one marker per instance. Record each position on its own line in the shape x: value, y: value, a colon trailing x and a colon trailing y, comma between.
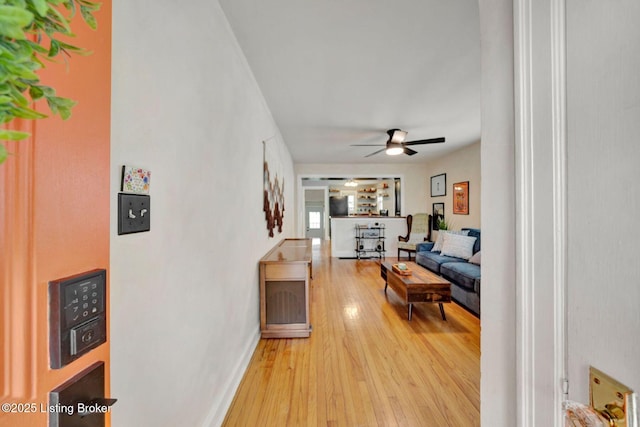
x: 421, y: 286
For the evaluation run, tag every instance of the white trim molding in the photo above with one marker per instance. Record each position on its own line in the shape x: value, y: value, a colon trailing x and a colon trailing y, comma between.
x: 221, y: 405
x: 541, y: 209
x: 560, y: 192
x: 524, y: 213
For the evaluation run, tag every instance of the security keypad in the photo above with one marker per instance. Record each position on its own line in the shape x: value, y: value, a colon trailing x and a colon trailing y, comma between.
x: 77, y: 316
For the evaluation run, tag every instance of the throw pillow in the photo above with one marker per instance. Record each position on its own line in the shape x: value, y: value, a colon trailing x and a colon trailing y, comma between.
x: 458, y: 246
x: 475, y: 259
x: 437, y: 247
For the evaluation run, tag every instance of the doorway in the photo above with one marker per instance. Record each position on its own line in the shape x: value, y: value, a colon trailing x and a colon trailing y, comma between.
x: 314, y: 213
x: 314, y: 220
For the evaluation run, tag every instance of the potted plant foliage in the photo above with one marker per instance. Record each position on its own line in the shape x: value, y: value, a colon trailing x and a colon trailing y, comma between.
x: 29, y: 36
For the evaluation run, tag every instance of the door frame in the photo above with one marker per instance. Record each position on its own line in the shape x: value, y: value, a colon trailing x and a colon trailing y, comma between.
x: 523, y: 340
x: 314, y: 207
x: 541, y: 141
x: 302, y: 221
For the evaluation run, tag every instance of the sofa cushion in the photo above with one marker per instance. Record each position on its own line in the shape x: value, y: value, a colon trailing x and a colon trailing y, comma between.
x: 463, y: 274
x: 413, y: 241
x: 407, y: 245
x: 476, y: 258
x: 433, y: 260
x: 440, y: 240
x: 426, y: 246
x: 474, y: 232
x: 458, y: 246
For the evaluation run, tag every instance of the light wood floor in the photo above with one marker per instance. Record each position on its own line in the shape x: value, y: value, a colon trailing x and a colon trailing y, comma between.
x: 364, y: 364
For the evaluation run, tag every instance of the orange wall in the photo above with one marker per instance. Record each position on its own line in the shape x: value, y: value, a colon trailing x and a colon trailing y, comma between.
x: 55, y: 220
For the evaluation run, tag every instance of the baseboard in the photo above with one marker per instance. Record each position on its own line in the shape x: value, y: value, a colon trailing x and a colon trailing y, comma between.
x: 221, y: 405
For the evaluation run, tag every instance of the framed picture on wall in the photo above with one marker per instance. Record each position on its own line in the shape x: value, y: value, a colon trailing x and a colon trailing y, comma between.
x: 461, y: 198
x: 438, y: 215
x: 439, y: 185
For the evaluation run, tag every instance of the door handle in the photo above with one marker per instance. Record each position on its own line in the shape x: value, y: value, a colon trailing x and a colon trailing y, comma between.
x: 610, y: 403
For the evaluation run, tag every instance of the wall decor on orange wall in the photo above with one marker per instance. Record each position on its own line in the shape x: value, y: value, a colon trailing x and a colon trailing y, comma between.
x: 461, y: 198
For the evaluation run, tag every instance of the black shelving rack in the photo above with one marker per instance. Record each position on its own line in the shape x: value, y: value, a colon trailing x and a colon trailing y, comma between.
x: 370, y: 241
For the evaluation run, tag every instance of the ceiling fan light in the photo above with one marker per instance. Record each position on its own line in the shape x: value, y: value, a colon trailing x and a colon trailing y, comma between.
x: 394, y: 150
x: 398, y: 136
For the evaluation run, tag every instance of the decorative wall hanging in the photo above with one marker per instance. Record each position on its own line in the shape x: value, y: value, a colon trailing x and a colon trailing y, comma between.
x: 273, y: 191
x: 135, y: 180
x: 439, y: 185
x: 461, y: 198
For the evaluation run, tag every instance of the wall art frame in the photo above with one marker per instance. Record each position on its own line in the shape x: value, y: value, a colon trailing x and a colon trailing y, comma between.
x: 461, y: 198
x: 437, y: 215
x: 439, y: 185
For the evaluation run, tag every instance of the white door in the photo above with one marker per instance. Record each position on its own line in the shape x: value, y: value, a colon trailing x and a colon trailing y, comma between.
x: 314, y: 221
x: 603, y: 96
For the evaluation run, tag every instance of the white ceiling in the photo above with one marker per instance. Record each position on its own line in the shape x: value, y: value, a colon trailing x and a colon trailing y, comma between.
x: 337, y: 72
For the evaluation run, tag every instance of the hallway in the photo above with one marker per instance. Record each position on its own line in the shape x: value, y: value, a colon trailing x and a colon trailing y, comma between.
x: 364, y: 364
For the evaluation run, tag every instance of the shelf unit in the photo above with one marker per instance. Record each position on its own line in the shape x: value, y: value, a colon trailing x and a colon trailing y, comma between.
x: 369, y: 198
x: 370, y: 241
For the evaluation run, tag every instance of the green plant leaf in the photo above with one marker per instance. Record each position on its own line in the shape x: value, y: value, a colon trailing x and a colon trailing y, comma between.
x: 27, y: 113
x: 24, y: 27
x: 75, y: 49
x: 54, y: 49
x: 14, y: 15
x: 87, y: 15
x: 59, y: 22
x: 40, y: 6
x: 13, y: 20
x: 48, y: 91
x: 17, y: 96
x: 3, y: 153
x: 36, y: 92
x: 12, y: 135
x: 61, y: 106
x: 37, y: 47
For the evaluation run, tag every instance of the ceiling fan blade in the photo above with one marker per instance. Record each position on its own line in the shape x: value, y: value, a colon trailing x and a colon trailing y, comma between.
x: 367, y: 145
x: 409, y: 151
x: 425, y: 141
x: 376, y: 152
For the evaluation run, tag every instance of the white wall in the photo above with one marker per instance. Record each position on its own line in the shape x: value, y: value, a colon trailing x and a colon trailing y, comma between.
x: 461, y: 165
x: 603, y: 98
x: 498, y: 386
x: 184, y: 296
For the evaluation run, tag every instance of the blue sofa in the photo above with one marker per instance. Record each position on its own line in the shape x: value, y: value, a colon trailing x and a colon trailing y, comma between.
x: 464, y: 276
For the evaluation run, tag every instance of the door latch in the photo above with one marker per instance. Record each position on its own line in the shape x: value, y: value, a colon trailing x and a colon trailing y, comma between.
x: 612, y: 400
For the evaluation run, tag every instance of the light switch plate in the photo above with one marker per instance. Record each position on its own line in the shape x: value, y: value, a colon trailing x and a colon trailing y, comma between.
x: 134, y: 213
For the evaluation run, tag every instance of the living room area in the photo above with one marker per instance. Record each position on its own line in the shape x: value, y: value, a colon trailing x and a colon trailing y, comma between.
x: 364, y: 362
x: 362, y: 351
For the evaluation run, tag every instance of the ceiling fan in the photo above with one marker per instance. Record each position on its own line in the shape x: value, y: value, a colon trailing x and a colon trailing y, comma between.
x: 396, y: 145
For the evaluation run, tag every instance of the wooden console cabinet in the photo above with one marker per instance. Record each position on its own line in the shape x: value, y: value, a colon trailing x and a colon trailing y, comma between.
x: 285, y: 272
